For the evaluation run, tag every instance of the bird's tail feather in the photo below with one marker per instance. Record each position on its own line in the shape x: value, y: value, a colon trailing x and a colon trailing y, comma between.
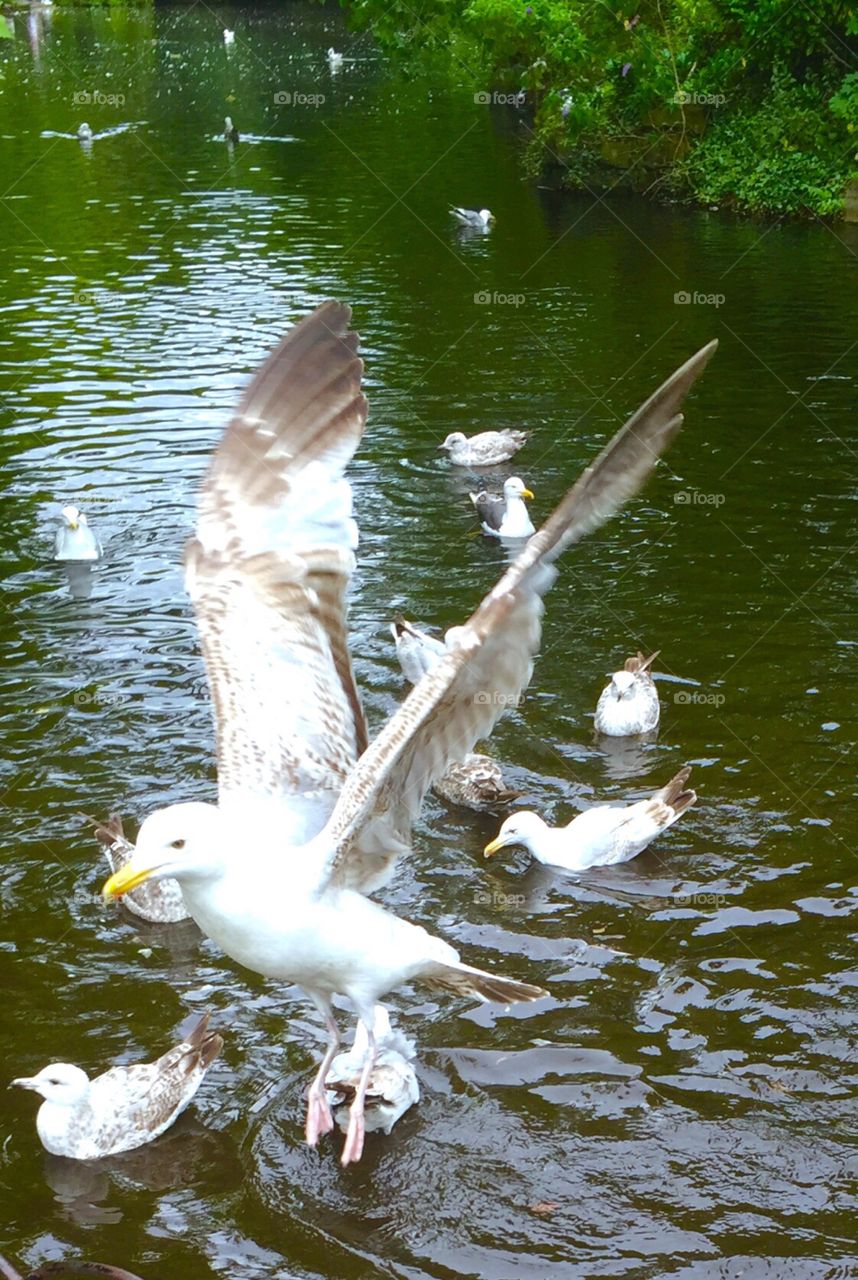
x: 205, y: 1044
x: 675, y: 794
x: 640, y: 663
x: 467, y: 981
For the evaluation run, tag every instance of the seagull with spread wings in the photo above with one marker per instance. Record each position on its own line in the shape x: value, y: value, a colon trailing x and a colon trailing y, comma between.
x: 267, y: 572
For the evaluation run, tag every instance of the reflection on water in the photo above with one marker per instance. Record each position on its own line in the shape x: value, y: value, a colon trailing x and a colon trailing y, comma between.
x: 680, y: 1105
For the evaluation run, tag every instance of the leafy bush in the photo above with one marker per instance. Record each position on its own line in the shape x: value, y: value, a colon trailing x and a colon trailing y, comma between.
x: 750, y: 102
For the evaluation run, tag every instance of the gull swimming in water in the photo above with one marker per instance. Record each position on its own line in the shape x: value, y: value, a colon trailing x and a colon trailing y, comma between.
x: 629, y: 703
x: 230, y: 133
x: 486, y: 449
x: 504, y: 515
x: 478, y: 219
x: 228, y: 36
x: 310, y: 820
x: 158, y: 901
x: 74, y: 539
x: 335, y: 60
x: 124, y: 1107
x: 84, y: 132
x: 392, y: 1087
x: 476, y: 781
x: 601, y: 836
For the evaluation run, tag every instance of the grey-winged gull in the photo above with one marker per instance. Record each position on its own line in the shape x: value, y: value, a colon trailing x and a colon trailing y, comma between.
x: 310, y: 820
x: 74, y: 539
x: 504, y: 515
x: 476, y: 219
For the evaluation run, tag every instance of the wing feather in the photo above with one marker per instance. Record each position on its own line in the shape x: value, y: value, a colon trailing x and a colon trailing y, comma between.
x: 490, y: 507
x: 269, y: 568
x: 490, y: 659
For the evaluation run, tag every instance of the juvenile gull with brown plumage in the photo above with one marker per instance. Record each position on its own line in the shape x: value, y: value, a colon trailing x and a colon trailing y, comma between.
x: 487, y: 449
x: 126, y: 1106
x: 629, y: 703
x: 158, y: 901
x: 310, y: 820
x: 392, y: 1087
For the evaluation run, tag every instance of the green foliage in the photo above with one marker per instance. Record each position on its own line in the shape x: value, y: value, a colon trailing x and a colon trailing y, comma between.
x: 750, y: 102
x: 787, y: 155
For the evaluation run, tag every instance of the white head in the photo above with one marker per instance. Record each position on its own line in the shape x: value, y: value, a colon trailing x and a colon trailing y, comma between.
x: 486, y: 215
x: 453, y: 440
x: 60, y: 1083
x: 515, y: 487
x: 227, y: 123
x: 84, y: 132
x: 72, y: 517
x: 520, y: 828
x: 183, y: 841
x: 623, y: 684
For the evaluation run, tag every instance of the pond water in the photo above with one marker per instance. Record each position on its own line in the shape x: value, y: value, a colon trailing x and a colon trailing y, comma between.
x: 684, y: 1103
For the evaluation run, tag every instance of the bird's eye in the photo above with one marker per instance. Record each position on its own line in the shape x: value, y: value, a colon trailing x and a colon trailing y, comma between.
x: 177, y: 844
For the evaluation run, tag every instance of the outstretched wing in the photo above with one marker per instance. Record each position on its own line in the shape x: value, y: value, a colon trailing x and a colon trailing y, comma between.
x: 489, y: 661
x: 268, y: 571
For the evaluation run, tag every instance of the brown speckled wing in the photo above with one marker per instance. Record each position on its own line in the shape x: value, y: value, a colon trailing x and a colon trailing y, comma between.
x: 269, y: 568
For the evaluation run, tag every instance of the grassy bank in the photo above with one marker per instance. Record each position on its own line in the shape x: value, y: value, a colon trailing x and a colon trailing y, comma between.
x: 751, y: 104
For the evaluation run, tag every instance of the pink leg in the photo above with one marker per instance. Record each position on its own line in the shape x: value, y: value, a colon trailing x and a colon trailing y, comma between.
x: 353, y: 1148
x: 319, y: 1118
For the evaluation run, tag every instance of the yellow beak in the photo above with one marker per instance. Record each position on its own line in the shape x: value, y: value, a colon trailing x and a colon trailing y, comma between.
x: 493, y: 847
x: 525, y: 493
x: 72, y: 524
x: 123, y: 881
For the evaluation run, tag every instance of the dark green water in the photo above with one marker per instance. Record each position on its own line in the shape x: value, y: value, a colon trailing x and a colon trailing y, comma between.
x: 686, y: 1100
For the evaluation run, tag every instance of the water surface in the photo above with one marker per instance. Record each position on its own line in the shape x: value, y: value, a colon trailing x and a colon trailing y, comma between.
x: 683, y: 1104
